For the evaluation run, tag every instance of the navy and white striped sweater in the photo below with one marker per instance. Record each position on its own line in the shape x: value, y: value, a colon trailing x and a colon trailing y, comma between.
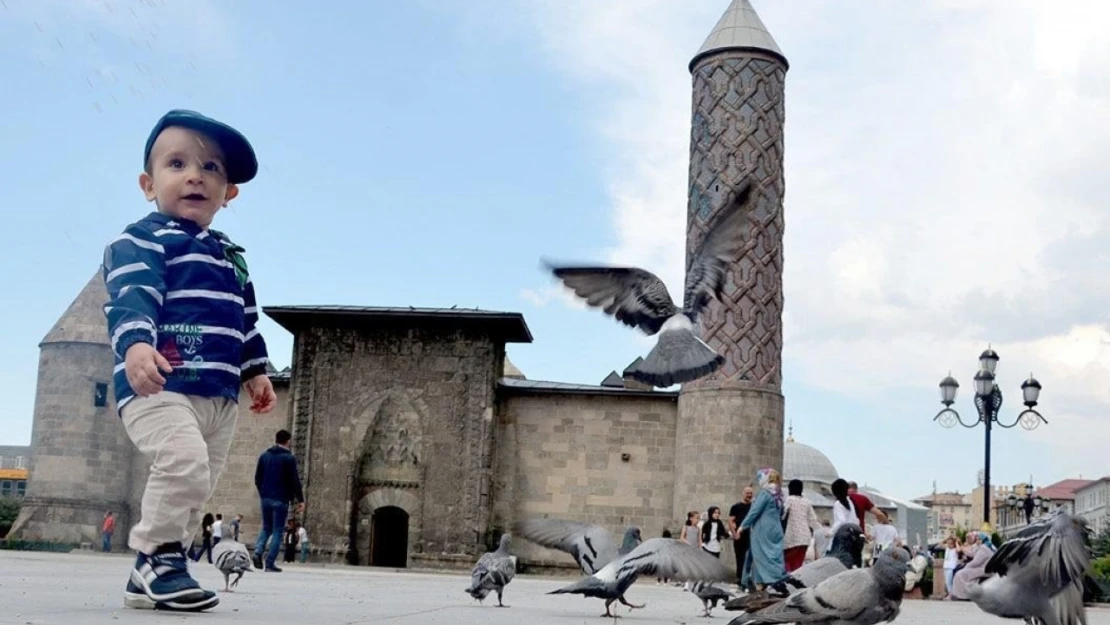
x: 176, y: 286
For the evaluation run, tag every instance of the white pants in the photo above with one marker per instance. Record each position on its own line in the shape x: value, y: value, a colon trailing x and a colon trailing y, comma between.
x: 187, y: 439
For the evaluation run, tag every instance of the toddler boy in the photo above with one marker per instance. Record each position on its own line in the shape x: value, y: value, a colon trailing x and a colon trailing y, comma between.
x: 181, y: 320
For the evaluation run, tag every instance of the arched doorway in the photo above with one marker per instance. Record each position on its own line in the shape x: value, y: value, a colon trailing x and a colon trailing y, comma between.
x: 389, y: 537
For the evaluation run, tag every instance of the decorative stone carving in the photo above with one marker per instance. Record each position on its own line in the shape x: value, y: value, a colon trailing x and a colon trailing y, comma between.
x: 392, y: 449
x: 738, y: 114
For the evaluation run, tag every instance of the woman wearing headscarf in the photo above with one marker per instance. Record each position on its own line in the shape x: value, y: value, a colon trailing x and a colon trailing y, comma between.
x: 764, y: 565
x: 980, y: 549
x: 713, y: 532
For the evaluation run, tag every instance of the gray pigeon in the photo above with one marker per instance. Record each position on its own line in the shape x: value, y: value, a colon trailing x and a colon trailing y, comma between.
x: 591, y: 545
x: 638, y: 298
x: 853, y: 597
x: 710, y: 595
x: 231, y: 558
x: 844, y: 553
x: 612, y: 571
x: 493, y: 571
x: 1038, y: 574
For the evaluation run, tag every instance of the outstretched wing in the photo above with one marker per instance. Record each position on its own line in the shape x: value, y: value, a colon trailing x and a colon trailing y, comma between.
x: 635, y: 297
x: 705, y: 274
x: 1056, y: 550
x: 591, y: 545
x: 672, y: 559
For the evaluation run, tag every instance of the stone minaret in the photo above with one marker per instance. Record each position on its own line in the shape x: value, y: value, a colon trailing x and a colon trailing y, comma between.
x: 80, y: 453
x: 731, y: 423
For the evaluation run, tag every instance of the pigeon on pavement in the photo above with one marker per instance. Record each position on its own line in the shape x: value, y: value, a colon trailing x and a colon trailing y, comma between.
x: 231, y: 558
x: 493, y: 572
x: 611, y: 571
x: 853, y: 597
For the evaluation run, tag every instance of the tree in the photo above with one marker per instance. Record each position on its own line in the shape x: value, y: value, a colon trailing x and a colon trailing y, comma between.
x: 9, y: 509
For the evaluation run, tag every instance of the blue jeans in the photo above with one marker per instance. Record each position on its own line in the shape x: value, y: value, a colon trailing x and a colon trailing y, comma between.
x: 274, y: 513
x: 107, y: 544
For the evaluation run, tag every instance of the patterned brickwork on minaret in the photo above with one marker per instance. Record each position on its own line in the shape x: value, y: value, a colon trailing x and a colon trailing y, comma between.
x: 731, y: 422
x: 736, y: 133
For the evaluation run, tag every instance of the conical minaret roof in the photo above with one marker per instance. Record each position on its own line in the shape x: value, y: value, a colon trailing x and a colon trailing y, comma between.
x: 739, y: 29
x: 84, y: 320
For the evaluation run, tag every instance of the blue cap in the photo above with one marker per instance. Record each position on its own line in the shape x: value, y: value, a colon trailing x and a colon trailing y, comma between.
x: 241, y: 163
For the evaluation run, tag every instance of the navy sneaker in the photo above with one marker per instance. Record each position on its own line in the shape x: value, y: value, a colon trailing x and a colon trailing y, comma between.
x: 162, y: 582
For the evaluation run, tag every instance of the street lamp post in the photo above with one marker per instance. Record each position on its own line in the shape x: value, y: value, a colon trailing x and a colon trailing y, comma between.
x: 1028, y: 504
x: 988, y: 401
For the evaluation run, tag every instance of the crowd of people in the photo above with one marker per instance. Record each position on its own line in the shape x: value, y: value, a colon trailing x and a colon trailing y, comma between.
x: 774, y: 533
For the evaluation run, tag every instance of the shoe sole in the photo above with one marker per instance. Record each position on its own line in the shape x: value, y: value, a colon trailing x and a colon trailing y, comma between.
x: 139, y: 601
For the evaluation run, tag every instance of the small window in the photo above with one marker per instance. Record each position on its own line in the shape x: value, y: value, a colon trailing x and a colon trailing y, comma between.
x: 100, y: 395
x: 20, y: 462
x: 6, y: 488
x: 21, y: 488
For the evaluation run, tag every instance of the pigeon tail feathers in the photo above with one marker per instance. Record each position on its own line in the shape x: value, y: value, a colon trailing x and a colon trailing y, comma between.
x: 679, y: 356
x: 588, y: 586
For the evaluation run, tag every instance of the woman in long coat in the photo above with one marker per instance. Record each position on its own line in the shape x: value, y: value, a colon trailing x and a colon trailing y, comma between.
x: 980, y: 554
x: 764, y: 565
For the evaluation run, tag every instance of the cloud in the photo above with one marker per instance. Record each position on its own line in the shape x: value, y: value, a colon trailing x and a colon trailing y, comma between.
x: 945, y: 183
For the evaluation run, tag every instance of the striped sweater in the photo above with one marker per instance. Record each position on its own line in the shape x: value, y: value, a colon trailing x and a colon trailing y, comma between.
x: 186, y: 291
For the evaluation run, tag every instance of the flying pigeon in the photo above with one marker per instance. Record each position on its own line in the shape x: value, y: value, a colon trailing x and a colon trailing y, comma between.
x: 638, y: 298
x: 847, y: 543
x: 709, y: 595
x: 493, y: 571
x: 853, y: 597
x: 611, y: 571
x: 231, y: 558
x: 1038, y: 574
x: 591, y: 545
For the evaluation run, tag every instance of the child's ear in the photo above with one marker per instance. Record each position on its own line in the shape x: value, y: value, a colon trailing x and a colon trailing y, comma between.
x: 146, y: 183
x: 232, y: 193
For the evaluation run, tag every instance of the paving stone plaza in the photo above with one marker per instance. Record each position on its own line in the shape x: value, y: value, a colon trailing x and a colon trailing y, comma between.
x: 86, y: 589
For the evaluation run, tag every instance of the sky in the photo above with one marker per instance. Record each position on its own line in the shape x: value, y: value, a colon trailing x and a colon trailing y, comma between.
x: 944, y: 188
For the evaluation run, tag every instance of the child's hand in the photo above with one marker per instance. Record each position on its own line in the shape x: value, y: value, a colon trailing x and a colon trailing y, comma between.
x: 143, y: 366
x: 262, y: 394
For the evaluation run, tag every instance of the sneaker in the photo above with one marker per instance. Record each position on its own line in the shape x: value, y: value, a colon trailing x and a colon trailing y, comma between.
x: 256, y: 560
x: 162, y: 582
x: 273, y: 568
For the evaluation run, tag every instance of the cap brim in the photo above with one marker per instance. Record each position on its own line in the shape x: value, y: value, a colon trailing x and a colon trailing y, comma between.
x: 241, y: 162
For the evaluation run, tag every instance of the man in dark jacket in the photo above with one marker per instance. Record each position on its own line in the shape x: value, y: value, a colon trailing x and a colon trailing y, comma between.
x: 278, y: 483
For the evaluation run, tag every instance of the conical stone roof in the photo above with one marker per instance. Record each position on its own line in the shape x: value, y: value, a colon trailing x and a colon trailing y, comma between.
x: 84, y: 320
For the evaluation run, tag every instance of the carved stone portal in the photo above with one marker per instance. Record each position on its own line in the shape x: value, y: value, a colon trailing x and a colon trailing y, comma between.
x: 392, y: 450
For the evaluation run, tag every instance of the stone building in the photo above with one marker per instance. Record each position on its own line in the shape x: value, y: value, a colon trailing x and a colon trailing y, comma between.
x: 419, y: 442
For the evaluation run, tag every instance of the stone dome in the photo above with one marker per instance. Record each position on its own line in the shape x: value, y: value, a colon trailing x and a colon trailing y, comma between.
x: 802, y: 462
x: 509, y: 370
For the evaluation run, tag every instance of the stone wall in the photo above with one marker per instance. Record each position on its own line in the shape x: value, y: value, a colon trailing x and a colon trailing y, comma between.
x: 561, y: 456
x: 407, y: 410
x: 81, y: 455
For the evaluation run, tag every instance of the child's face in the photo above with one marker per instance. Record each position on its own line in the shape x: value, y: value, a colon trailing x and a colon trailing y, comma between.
x: 188, y: 176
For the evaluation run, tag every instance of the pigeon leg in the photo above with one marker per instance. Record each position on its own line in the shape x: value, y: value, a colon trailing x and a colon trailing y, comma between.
x: 609, y: 602
x: 631, y: 606
x: 499, y: 604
